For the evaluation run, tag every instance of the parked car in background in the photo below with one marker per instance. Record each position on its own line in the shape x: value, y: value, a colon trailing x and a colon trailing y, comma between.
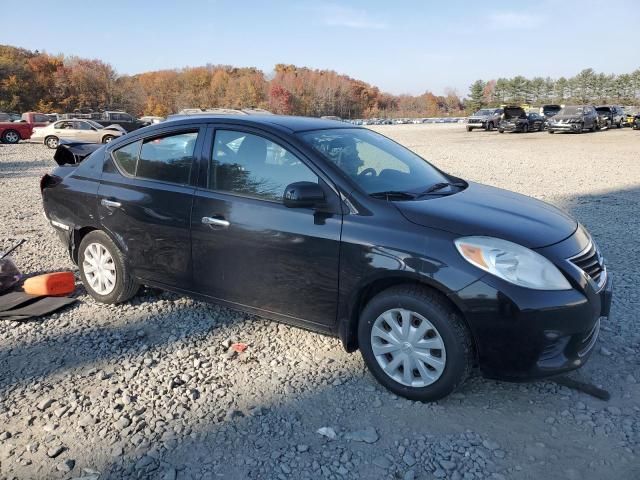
x: 13, y: 132
x: 35, y: 119
x: 549, y: 111
x: 5, y: 117
x: 151, y: 119
x: 611, y: 115
x: 485, y: 118
x: 575, y: 119
x: 515, y: 119
x: 81, y: 130
x: 108, y: 118
x: 427, y: 274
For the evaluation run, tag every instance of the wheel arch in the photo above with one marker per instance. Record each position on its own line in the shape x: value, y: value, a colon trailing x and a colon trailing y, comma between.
x: 348, y: 324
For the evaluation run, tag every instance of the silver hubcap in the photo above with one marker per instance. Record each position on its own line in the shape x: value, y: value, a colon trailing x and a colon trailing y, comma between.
x: 408, y: 347
x: 11, y: 137
x: 52, y: 142
x: 99, y: 269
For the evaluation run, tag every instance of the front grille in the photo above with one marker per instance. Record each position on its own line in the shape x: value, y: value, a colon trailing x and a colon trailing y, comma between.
x: 590, y: 262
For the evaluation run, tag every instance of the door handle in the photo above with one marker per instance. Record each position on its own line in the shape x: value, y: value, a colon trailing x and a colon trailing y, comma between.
x: 110, y: 203
x: 216, y: 222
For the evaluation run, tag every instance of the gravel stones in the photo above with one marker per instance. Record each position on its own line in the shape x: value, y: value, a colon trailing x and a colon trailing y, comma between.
x: 367, y: 435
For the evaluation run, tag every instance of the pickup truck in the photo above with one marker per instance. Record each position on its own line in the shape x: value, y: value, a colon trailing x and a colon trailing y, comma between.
x: 13, y: 132
x: 36, y: 119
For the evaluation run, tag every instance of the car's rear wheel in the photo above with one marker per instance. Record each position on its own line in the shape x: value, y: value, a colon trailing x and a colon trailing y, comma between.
x: 490, y: 127
x: 469, y: 129
x: 103, y: 269
x: 525, y: 129
x: 51, y: 142
x: 10, y: 136
x: 107, y: 138
x: 414, y: 343
x: 500, y: 130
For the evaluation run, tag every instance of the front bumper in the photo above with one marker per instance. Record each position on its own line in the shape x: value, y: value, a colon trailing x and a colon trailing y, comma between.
x: 523, y: 334
x: 511, y: 127
x: 565, y: 127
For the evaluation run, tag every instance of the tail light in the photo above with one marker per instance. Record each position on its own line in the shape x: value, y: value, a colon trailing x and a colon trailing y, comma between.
x: 49, y: 181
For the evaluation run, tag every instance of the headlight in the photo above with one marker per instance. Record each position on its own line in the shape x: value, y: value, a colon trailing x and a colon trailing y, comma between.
x: 512, y: 262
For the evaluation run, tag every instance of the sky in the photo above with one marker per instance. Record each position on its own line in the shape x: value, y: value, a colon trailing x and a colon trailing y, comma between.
x: 401, y: 46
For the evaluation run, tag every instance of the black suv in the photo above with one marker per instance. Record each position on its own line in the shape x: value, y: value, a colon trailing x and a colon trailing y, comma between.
x: 515, y: 119
x: 337, y: 229
x: 575, y: 119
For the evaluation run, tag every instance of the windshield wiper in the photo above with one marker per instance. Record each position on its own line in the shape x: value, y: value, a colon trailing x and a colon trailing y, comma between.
x: 393, y: 195
x: 439, y: 186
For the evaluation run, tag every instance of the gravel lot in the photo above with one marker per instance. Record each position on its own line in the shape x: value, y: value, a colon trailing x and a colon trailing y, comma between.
x: 151, y: 389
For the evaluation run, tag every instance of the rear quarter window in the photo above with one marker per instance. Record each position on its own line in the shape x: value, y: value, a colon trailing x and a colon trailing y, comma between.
x: 126, y: 158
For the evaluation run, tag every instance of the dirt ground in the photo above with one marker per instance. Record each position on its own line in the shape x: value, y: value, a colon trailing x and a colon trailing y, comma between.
x: 149, y: 389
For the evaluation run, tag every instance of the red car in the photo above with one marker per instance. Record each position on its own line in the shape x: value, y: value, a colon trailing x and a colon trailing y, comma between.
x: 13, y: 132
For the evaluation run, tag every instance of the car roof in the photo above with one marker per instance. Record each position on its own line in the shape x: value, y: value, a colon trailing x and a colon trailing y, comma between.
x: 283, y: 122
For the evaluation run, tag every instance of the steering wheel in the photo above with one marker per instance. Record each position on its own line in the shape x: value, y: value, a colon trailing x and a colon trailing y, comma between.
x: 371, y: 172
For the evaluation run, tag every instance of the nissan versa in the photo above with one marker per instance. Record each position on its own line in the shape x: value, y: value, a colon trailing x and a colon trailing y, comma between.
x: 340, y: 230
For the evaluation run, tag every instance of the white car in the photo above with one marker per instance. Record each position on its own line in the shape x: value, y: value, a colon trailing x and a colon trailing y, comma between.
x: 79, y: 130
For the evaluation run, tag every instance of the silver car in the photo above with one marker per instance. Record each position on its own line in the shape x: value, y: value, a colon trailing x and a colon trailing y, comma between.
x: 79, y: 130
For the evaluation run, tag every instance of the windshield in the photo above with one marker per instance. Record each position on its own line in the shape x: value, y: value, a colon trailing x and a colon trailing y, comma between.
x: 571, y: 111
x: 372, y: 161
x: 94, y: 124
x: 483, y: 112
x: 603, y: 110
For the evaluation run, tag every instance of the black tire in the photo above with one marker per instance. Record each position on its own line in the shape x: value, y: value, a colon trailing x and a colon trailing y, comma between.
x: 51, y: 142
x: 541, y: 127
x: 580, y: 128
x: 550, y: 131
x: 107, y: 138
x: 490, y: 127
x: 10, y: 136
x: 525, y: 129
x: 500, y: 130
x: 469, y: 129
x: 125, y: 286
x: 449, y: 325
x: 619, y: 124
x: 594, y: 126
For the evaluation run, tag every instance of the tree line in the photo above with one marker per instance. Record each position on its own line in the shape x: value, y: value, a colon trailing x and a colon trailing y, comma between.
x: 35, y: 81
x: 587, y: 87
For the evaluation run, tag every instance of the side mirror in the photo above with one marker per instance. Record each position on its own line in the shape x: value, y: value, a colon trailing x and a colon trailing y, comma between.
x: 303, y: 195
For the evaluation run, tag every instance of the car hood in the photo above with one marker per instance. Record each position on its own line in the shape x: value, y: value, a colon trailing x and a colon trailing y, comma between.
x: 566, y: 117
x: 490, y: 211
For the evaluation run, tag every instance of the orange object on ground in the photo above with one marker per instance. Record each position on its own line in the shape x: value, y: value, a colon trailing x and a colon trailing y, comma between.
x: 50, y: 284
x: 239, y: 347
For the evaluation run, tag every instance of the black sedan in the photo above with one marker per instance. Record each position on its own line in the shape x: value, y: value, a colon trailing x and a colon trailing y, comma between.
x: 337, y: 229
x: 515, y: 119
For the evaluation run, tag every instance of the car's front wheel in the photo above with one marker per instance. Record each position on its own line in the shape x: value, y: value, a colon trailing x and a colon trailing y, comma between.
x: 107, y: 138
x: 103, y: 269
x: 415, y: 343
x: 51, y: 142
